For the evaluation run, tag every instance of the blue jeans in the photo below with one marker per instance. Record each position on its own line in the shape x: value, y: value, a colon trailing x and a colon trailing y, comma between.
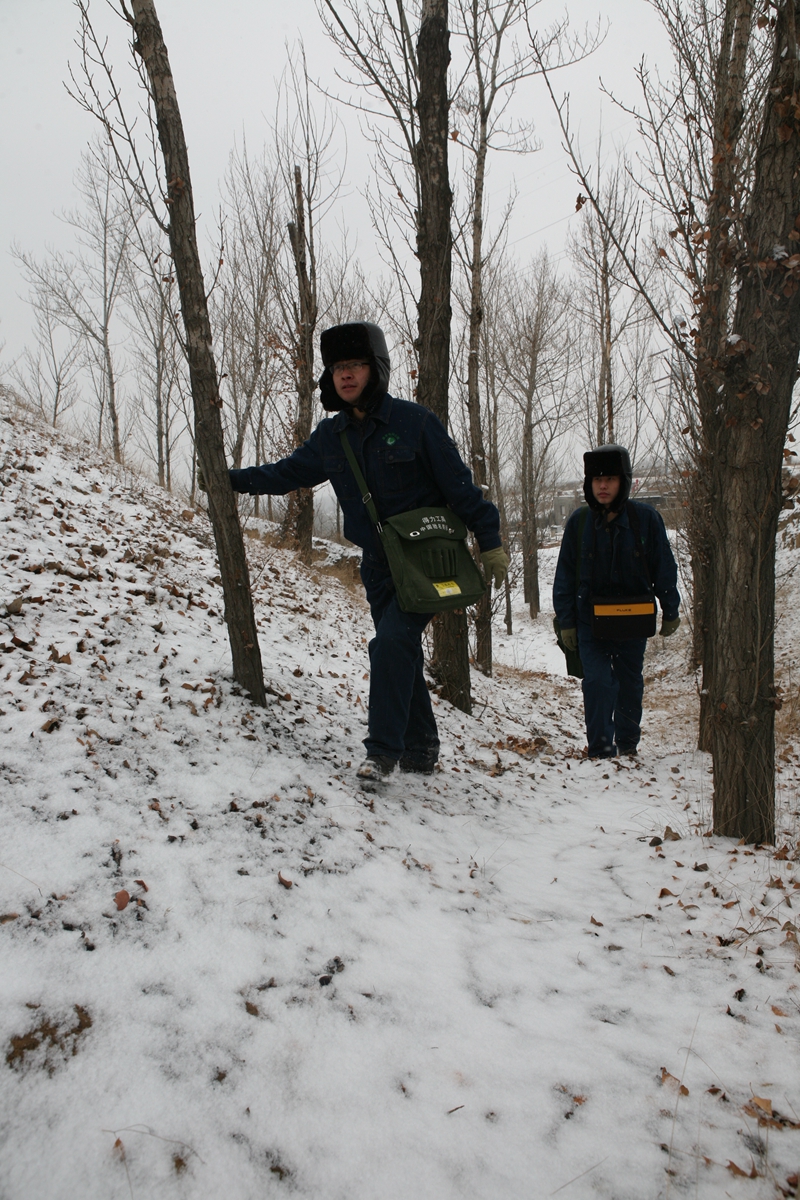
x: 401, y: 720
x: 612, y: 692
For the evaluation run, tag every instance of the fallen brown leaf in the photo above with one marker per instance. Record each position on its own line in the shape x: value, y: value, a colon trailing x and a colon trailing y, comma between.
x: 287, y: 883
x: 672, y: 1082
x: 734, y: 1170
x: 122, y: 899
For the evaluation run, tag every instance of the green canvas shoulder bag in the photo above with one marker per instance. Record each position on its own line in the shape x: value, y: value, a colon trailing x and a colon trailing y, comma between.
x: 426, y: 548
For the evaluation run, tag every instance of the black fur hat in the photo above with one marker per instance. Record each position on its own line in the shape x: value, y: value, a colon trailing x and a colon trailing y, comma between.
x: 607, y: 460
x: 360, y: 339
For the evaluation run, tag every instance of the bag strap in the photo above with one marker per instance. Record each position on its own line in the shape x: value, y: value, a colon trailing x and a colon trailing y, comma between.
x: 366, y: 494
x: 581, y: 526
x: 637, y: 534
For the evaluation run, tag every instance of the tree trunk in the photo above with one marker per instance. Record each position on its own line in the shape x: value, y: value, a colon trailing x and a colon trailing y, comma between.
x: 300, y: 510
x: 434, y: 237
x: 111, y: 385
x: 298, y: 522
x: 434, y: 250
x: 713, y: 322
x: 605, y: 388
x: 534, y: 599
x: 528, y: 529
x: 509, y: 619
x: 239, y: 615
x: 745, y: 437
x: 159, y: 406
x: 483, y: 611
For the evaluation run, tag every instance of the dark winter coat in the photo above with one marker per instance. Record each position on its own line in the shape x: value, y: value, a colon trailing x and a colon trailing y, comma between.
x: 609, y: 565
x: 407, y: 459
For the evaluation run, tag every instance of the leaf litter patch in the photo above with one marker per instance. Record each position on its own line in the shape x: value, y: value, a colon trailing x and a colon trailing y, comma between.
x: 50, y: 1042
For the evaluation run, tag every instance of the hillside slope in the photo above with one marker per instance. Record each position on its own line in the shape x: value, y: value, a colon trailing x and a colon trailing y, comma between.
x: 227, y: 971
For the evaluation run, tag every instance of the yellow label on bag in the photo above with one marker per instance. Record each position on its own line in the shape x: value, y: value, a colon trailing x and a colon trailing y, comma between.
x: 448, y: 589
x: 624, y: 610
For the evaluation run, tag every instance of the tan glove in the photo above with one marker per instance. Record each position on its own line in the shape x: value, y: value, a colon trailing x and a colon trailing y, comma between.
x: 669, y: 627
x: 495, y: 565
x: 570, y: 639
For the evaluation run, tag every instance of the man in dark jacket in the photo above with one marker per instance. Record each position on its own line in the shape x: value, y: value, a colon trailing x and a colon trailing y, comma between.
x: 408, y: 461
x: 624, y: 552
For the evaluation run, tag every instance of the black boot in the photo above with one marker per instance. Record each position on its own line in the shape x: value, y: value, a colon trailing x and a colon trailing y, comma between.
x: 418, y: 764
x: 376, y: 767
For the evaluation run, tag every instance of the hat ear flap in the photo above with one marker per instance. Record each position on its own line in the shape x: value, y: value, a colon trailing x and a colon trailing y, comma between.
x: 327, y: 393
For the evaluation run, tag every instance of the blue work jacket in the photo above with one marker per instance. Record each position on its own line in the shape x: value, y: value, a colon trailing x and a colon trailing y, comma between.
x: 407, y: 459
x: 610, y: 566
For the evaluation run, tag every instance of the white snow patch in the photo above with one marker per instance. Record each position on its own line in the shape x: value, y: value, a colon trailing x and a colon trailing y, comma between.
x: 483, y: 984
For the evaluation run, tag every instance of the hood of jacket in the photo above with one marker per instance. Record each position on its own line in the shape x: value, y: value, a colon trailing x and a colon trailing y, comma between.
x: 359, y: 339
x: 607, y: 460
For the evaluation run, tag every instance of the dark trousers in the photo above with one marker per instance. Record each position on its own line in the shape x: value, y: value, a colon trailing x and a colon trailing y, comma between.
x: 613, y: 687
x: 401, y: 720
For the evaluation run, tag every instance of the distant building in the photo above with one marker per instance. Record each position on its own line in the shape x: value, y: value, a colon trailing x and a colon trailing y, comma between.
x: 653, y: 490
x: 568, y: 497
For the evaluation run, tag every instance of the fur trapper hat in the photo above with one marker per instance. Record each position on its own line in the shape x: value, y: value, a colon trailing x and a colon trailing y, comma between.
x: 358, y: 340
x: 607, y: 460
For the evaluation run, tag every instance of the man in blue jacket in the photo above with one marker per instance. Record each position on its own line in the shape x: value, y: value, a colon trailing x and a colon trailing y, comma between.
x: 624, y: 552
x: 408, y: 461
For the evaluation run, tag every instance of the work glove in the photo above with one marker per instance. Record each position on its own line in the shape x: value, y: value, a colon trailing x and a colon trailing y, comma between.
x: 570, y: 639
x: 669, y: 627
x: 201, y: 479
x: 495, y: 565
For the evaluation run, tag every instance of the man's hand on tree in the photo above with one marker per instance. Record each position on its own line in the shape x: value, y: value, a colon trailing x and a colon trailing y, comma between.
x: 495, y: 565
x: 201, y: 480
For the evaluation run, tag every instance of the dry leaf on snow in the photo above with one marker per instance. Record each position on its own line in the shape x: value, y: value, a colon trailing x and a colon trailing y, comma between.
x: 672, y: 1082
x: 734, y: 1170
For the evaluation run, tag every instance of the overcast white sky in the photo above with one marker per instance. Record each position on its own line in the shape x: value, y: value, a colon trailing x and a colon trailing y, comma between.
x: 226, y: 60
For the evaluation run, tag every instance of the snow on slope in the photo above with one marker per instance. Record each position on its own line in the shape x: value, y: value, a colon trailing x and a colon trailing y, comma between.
x: 484, y: 984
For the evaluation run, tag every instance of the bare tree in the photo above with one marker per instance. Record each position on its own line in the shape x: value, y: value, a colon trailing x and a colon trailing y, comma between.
x: 537, y: 355
x: 498, y: 62
x: 149, y: 43
x: 501, y: 429
x: 156, y: 355
x: 47, y: 374
x: 407, y: 77
x: 608, y: 311
x: 94, y: 87
x: 247, y: 317
x: 304, y: 158
x: 83, y: 288
x: 724, y: 170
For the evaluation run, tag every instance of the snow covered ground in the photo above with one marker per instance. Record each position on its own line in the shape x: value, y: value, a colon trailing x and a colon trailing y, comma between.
x: 227, y: 971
